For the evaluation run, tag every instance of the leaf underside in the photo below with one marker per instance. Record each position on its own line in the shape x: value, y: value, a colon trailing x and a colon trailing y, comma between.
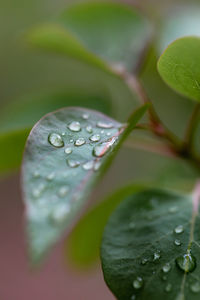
x: 61, y: 164
x: 142, y: 240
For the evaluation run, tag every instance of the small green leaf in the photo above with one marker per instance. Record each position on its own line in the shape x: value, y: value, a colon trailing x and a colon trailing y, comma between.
x: 17, y: 119
x: 66, y: 153
x: 179, y: 66
x: 94, y: 32
x: 82, y: 246
x: 151, y: 247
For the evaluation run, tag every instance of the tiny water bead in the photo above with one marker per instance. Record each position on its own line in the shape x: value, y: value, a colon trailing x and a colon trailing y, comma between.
x: 85, y: 116
x: 89, y: 129
x: 179, y: 229
x: 73, y: 163
x: 80, y: 142
x: 50, y: 176
x: 74, y: 126
x: 95, y: 138
x: 36, y: 174
x: 38, y: 191
x: 186, y: 262
x: 168, y: 287
x: 55, y: 140
x: 195, y: 287
x: 133, y: 297
x: 88, y: 165
x: 177, y: 242
x: 138, y: 283
x: 60, y: 213
x: 63, y: 191
x: 97, y: 165
x: 173, y: 209
x: 156, y: 255
x: 144, y: 261
x: 105, y: 125
x: 101, y: 149
x: 166, y: 268
x: 68, y: 150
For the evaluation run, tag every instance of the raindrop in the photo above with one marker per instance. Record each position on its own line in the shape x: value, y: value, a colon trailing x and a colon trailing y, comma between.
x: 50, y: 176
x: 68, y: 150
x: 105, y: 125
x: 156, y: 255
x: 74, y: 126
x: 37, y: 192
x: 168, y: 287
x: 166, y: 268
x: 88, y: 165
x: 85, y: 116
x: 179, y: 229
x: 103, y: 148
x: 89, y: 129
x: 73, y: 163
x: 71, y: 141
x: 63, y: 133
x: 108, y: 133
x: 60, y: 213
x: 138, y: 283
x: 36, y: 174
x: 195, y: 287
x: 79, y: 142
x: 186, y: 262
x: 144, y: 261
x: 55, y: 140
x: 177, y: 242
x: 63, y: 191
x: 95, y: 138
x: 102, y: 131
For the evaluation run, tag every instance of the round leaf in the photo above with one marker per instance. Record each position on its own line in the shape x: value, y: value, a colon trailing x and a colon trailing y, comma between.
x: 65, y: 154
x: 151, y: 247
x: 179, y: 66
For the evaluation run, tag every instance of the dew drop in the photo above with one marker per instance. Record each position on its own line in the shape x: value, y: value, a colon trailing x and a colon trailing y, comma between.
x: 63, y: 191
x: 133, y: 297
x: 60, y: 213
x: 50, y: 176
x: 138, y: 283
x: 195, y: 287
x: 85, y: 116
x: 55, y: 140
x: 177, y: 242
x: 79, y: 142
x: 156, y: 255
x: 102, y: 131
x: 108, y: 133
x: 89, y: 129
x: 186, y: 262
x: 144, y: 261
x: 103, y: 148
x: 97, y: 165
x: 179, y: 229
x: 73, y: 163
x: 71, y: 141
x: 63, y: 133
x: 173, y: 209
x: 166, y: 268
x: 88, y: 165
x: 68, y: 150
x: 74, y: 126
x: 95, y: 138
x: 168, y: 287
x: 38, y: 191
x: 105, y: 125
x: 36, y: 174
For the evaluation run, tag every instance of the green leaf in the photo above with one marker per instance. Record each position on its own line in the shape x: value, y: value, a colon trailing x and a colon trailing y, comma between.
x: 151, y: 245
x: 94, y: 32
x: 17, y: 119
x: 63, y: 160
x: 179, y: 66
x: 82, y: 246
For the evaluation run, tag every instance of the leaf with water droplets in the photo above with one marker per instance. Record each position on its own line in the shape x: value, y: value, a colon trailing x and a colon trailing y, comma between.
x: 98, y: 34
x: 162, y: 250
x: 60, y: 143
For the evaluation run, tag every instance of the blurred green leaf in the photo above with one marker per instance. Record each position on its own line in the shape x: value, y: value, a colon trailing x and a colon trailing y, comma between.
x: 17, y: 119
x: 63, y: 160
x: 83, y: 244
x: 94, y: 32
x: 150, y: 247
x: 179, y: 66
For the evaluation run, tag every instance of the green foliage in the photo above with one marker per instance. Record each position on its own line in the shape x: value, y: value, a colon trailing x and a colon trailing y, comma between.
x: 144, y: 245
x: 179, y: 66
x: 66, y: 153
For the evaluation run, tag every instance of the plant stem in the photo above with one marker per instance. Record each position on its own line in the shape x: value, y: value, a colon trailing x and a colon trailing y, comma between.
x: 191, y: 128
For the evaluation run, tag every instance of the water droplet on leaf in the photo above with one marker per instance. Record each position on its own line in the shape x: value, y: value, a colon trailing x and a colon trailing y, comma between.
x: 85, y: 116
x: 95, y: 138
x: 168, y: 287
x: 156, y: 255
x: 166, y: 268
x: 138, y: 283
x: 74, y: 126
x: 55, y: 140
x: 79, y: 142
x: 97, y: 165
x: 89, y: 129
x: 195, y: 287
x: 186, y: 262
x: 179, y: 229
x: 73, y: 163
x: 60, y: 213
x: 63, y: 191
x: 88, y: 165
x: 144, y: 261
x: 103, y: 148
x: 173, y: 209
x: 68, y: 150
x: 105, y: 125
x: 50, y: 176
x: 177, y: 242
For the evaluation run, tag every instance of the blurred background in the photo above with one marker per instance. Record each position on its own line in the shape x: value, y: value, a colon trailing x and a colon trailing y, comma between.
x: 34, y: 83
